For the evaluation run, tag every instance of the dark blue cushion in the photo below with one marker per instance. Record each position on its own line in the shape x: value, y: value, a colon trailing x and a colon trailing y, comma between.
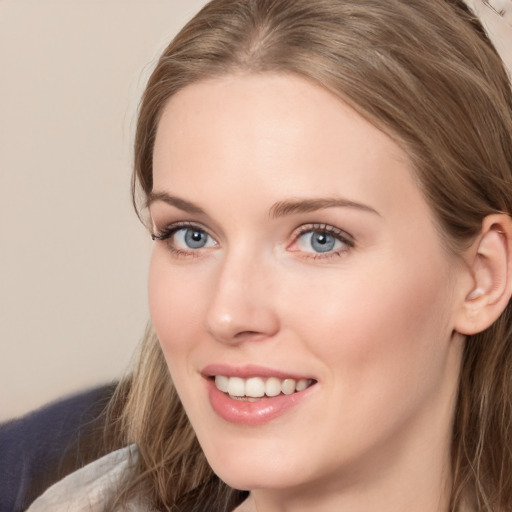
x: 33, y: 447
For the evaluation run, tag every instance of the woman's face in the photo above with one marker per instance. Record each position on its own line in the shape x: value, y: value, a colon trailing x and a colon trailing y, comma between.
x: 297, y: 259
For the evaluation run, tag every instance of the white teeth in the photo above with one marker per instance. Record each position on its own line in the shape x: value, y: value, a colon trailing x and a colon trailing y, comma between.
x: 302, y: 384
x: 257, y: 387
x: 222, y: 383
x: 272, y: 387
x: 288, y: 386
x: 236, y: 386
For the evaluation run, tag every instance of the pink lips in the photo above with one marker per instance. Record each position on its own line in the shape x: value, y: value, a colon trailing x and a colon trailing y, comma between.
x: 251, y: 413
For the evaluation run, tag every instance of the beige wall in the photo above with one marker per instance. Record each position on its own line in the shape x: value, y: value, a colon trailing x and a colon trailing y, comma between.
x: 73, y: 256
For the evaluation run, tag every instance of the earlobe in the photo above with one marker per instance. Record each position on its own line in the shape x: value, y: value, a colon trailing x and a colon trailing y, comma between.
x: 490, y: 265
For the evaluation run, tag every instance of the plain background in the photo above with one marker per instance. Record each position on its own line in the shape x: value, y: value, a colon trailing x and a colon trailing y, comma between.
x: 73, y: 256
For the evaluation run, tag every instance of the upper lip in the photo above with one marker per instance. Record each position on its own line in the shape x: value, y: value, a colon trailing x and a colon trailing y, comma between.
x: 249, y: 370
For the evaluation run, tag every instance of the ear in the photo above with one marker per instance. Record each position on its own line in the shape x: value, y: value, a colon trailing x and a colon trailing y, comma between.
x: 488, y: 290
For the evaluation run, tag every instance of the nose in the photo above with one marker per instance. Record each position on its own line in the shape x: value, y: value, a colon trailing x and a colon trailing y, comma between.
x: 242, y: 304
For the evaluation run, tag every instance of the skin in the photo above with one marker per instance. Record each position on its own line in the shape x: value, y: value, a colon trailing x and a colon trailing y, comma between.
x: 373, y: 321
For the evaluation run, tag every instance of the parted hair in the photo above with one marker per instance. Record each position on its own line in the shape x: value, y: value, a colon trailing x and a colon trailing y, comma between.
x: 425, y: 73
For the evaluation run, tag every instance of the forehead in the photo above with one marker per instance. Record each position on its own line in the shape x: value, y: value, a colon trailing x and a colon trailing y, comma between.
x: 274, y: 134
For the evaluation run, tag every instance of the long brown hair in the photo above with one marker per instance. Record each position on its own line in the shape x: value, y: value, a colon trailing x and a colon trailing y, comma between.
x: 422, y: 71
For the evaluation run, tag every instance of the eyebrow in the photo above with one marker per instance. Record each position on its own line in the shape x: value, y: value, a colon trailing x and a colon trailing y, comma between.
x: 280, y: 209
x: 294, y: 206
x: 181, y: 204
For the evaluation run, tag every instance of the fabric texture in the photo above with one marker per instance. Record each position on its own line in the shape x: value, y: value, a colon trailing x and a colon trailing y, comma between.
x: 42, y: 447
x: 90, y: 488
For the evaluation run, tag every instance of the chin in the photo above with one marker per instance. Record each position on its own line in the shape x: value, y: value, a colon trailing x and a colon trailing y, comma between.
x: 251, y: 480
x: 262, y: 467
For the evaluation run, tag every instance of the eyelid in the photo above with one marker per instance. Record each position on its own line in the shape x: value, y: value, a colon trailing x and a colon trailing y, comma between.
x: 324, y: 228
x: 346, y: 238
x: 166, y: 235
x: 348, y: 241
x: 168, y: 230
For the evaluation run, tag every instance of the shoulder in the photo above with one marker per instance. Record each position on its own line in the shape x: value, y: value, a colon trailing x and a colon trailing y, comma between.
x: 89, y: 488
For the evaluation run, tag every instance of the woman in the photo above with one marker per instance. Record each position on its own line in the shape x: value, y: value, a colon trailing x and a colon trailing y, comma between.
x: 328, y: 185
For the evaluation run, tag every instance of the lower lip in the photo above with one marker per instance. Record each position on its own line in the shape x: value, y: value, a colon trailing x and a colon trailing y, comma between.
x: 254, y: 413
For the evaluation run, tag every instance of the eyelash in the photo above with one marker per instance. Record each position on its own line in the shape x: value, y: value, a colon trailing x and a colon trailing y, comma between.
x: 340, y: 235
x: 171, y: 230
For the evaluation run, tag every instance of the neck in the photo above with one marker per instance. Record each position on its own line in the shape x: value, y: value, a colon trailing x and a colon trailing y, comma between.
x: 395, y: 490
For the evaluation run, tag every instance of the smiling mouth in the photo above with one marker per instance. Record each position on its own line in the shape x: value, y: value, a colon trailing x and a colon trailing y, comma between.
x: 258, y: 387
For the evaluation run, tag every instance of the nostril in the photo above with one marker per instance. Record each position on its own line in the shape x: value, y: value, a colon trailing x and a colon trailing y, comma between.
x: 244, y: 334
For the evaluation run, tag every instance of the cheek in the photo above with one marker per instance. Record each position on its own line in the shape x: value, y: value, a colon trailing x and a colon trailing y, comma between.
x: 382, y: 340
x: 388, y: 321
x: 174, y: 304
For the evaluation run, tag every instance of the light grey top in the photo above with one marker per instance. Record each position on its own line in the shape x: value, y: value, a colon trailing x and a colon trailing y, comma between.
x: 89, y: 488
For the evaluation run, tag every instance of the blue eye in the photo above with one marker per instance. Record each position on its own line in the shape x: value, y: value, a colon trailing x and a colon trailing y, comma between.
x: 182, y: 239
x: 191, y: 238
x: 318, y: 241
x: 322, y: 240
